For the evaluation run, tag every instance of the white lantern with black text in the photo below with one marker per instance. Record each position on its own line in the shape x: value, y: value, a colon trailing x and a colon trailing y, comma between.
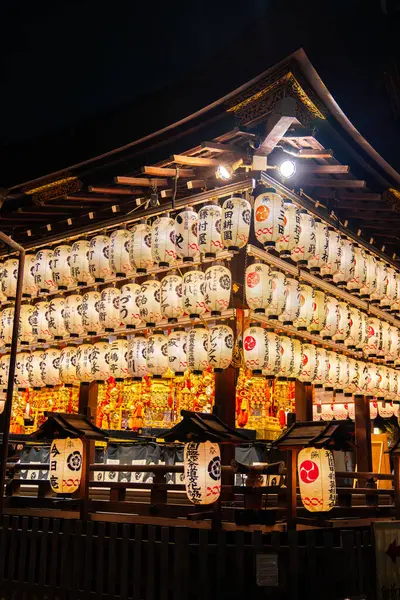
x: 320, y: 257
x: 198, y: 340
x: 186, y: 246
x: 317, y: 482
x: 202, y: 469
x: 9, y: 278
x: 157, y: 354
x: 291, y: 230
x: 291, y: 363
x: 332, y: 318
x: 99, y: 258
x: 29, y: 287
x: 372, y: 381
x: 65, y: 465
x: 305, y: 247
x: 50, y: 366
x: 359, y: 278
x: 291, y: 309
x: 109, y: 309
x: 395, y: 307
x: 6, y: 324
x: 319, y: 315
x: 351, y: 387
x: 43, y: 273
x: 163, y: 240
x: 258, y: 287
x: 41, y: 329
x: 171, y: 297
x: 220, y: 347
x: 277, y: 302
x: 73, y: 315
x: 129, y: 312
x: 343, y: 374
x: 119, y: 358
x: 194, y: 303
x: 217, y: 288
x: 55, y: 317
x: 120, y: 241
x: 137, y: 353
x: 322, y: 372
x: 79, y: 262
x: 370, y: 284
x: 374, y: 345
x: 60, y: 266
x: 149, y: 301
x: 34, y: 370
x: 68, y: 365
x: 345, y: 271
x: 390, y: 289
x: 310, y: 363
x: 394, y: 352
x: 91, y: 312
x: 236, y: 215
x: 332, y: 380
x: 334, y: 254
x: 381, y: 280
x: 4, y: 371
x: 269, y: 217
x: 21, y: 376
x: 297, y: 364
x: 140, y: 255
x: 177, y: 342
x: 354, y: 336
x: 209, y: 237
x: 343, y: 330
x: 364, y: 333
x: 100, y: 359
x: 307, y: 297
x: 384, y: 351
x: 26, y: 323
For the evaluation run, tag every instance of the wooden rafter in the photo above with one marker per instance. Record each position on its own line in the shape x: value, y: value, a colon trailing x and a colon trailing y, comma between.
x: 334, y: 183
x: 141, y: 181
x: 365, y: 207
x: 350, y: 196
x: 196, y: 184
x: 195, y: 161
x: 167, y: 172
x: 315, y: 153
x: 113, y: 191
x: 93, y: 199
x: 322, y: 169
x: 217, y: 148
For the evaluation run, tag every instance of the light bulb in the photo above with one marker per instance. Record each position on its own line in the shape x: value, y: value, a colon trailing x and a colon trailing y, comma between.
x: 287, y: 168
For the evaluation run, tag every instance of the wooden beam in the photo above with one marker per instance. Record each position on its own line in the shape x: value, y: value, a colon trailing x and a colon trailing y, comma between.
x: 282, y: 118
x: 363, y: 435
x: 167, y: 172
x: 39, y: 213
x: 113, y: 191
x: 335, y: 183
x: 376, y: 216
x: 332, y: 194
x: 326, y: 169
x: 314, y: 153
x: 217, y: 147
x: 196, y: 184
x: 195, y: 161
x: 141, y: 181
x: 95, y: 199
x: 367, y: 206
x: 166, y: 193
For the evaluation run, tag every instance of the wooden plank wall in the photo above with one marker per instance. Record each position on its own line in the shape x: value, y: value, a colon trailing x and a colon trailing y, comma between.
x: 61, y: 558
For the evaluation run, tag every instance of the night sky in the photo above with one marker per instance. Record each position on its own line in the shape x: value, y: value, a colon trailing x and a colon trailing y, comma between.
x: 65, y: 63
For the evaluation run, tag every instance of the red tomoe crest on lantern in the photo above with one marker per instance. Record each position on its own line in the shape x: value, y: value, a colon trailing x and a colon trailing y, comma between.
x: 308, y: 471
x: 317, y: 482
x: 253, y: 279
x: 249, y: 342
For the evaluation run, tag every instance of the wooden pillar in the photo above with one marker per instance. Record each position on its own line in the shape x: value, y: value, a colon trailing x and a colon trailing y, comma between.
x: 224, y: 408
x: 291, y: 478
x: 87, y: 460
x: 396, y: 484
x: 363, y: 434
x: 88, y: 400
x: 303, y: 401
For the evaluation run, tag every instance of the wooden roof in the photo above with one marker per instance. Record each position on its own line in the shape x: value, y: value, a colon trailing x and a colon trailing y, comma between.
x: 200, y: 427
x: 62, y: 425
x: 336, y: 435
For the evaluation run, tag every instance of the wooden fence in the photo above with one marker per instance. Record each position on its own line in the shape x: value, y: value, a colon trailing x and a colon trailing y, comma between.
x: 70, y: 559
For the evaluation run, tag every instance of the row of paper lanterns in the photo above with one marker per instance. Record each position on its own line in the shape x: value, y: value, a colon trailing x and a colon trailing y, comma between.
x: 197, y: 350
x: 272, y: 355
x: 271, y: 293
x: 94, y: 312
x: 340, y: 411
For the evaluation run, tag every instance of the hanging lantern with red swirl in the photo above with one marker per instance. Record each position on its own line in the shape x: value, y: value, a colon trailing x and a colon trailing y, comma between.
x: 362, y: 379
x: 157, y: 354
x: 163, y: 240
x: 84, y: 368
x: 381, y: 280
x: 291, y: 230
x: 60, y: 266
x: 385, y: 410
x: 120, y: 241
x: 129, y: 313
x: 140, y: 255
x: 307, y: 297
x: 343, y: 330
x: 269, y: 217
x: 41, y: 329
x: 91, y: 312
x: 21, y: 377
x: 383, y: 382
x: 197, y: 345
x: 55, y: 317
x: 262, y: 350
x: 373, y: 410
x: 79, y: 262
x: 236, y: 216
x: 67, y: 365
x: 193, y: 297
x: 99, y: 258
x: 100, y: 360
x: 258, y: 286
x: 26, y: 322
x: 171, y: 297
x: 209, y: 237
x: 374, y: 345
x: 310, y: 363
x: 217, y: 288
x: 360, y: 271
x: 50, y: 366
x: 334, y: 254
x: 202, y: 469
x: 109, y: 309
x: 9, y: 278
x: 220, y: 347
x: 322, y: 371
x: 345, y: 271
x: 370, y: 284
x: 73, y: 315
x: 177, y: 343
x: 137, y: 353
x: 332, y: 318
x: 390, y: 289
x: 319, y: 313
x: 186, y: 224
x: 305, y: 247
x: 277, y: 302
x: 320, y: 257
x: 340, y: 412
x: 29, y: 287
x: 43, y: 273
x: 316, y: 472
x: 149, y: 301
x: 291, y: 309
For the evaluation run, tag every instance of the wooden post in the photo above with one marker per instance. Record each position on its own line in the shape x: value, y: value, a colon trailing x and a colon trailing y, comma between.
x: 87, y: 460
x: 303, y: 401
x: 291, y: 487
x: 396, y: 484
x: 88, y: 400
x: 363, y: 435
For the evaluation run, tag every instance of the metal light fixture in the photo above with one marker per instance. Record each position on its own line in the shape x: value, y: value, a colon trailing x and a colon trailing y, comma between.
x: 224, y: 172
x: 287, y: 168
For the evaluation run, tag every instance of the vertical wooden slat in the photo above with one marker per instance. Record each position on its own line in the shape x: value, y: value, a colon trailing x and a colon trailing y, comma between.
x: 164, y: 579
x: 99, y: 542
x: 181, y: 563
x: 275, y: 547
x: 349, y: 564
x: 360, y: 561
x: 13, y: 549
x: 293, y: 564
x: 23, y: 545
x: 5, y: 522
x: 221, y: 563
x: 203, y: 564
x: 54, y: 552
x: 32, y: 552
x: 311, y: 562
x: 239, y: 562
x: 89, y: 549
x: 125, y: 562
x: 137, y: 563
x: 66, y: 559
x: 77, y: 558
x: 43, y: 552
x: 112, y: 549
x: 257, y: 542
x: 150, y: 559
x: 327, y: 556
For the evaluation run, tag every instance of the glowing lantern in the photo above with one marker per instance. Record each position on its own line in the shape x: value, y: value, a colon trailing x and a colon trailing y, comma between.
x: 258, y: 287
x: 291, y: 309
x: 384, y: 351
x: 84, y: 368
x: 60, y: 267
x: 198, y: 340
x: 327, y: 412
x: 9, y: 278
x: 26, y: 323
x: 351, y: 409
x: 319, y: 313
x: 100, y: 359
x: 140, y: 255
x: 4, y: 371
x: 99, y: 258
x: 351, y: 387
x: 310, y: 363
x: 322, y: 371
x: 157, y: 354
x: 50, y: 366
x: 394, y: 352
x: 119, y: 358
x: 334, y: 252
x: 390, y: 292
x: 333, y: 372
x: 149, y: 301
x: 40, y: 325
x: 374, y: 344
x: 354, y: 336
x: 383, y: 384
x: 65, y: 465
x: 91, y: 312
x: 395, y: 307
x: 21, y: 370
x: 370, y: 284
x: 278, y: 299
x: 177, y: 341
x: 236, y: 216
x: 297, y: 363
x: 73, y: 315
x: 320, y: 257
x: 120, y: 240
x: 163, y: 240
x: 186, y: 245
x: 385, y: 410
x: 220, y: 347
x: 29, y: 287
x: 316, y: 471
x: 393, y: 385
x: 55, y: 317
x: 359, y: 279
x: 269, y: 218
x: 362, y: 379
x: 129, y: 313
x: 79, y: 262
x: 340, y: 412
x: 305, y: 247
x: 372, y: 381
x: 373, y: 410
x: 137, y: 352
x: 307, y: 297
x: 291, y: 230
x: 193, y: 293
x: 34, y: 370
x: 381, y: 281
x: 291, y: 357
x: 67, y: 367
x: 343, y: 374
x: 262, y: 350
x: 202, y: 468
x: 217, y: 288
x: 343, y: 330
x: 6, y: 324
x: 43, y: 273
x: 316, y: 414
x: 109, y: 309
x: 171, y: 297
x: 345, y: 271
x: 364, y: 333
x: 332, y: 318
x: 209, y: 230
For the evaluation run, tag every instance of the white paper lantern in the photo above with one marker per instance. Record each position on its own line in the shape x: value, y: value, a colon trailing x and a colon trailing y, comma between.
x: 343, y: 330
x: 322, y: 372
x: 21, y: 376
x: 34, y: 371
x: 9, y: 278
x: 316, y: 414
x: 320, y: 257
x: 363, y: 331
x: 193, y: 293
x: 209, y: 237
x: 383, y: 384
x: 60, y: 267
x: 381, y: 280
x: 220, y: 347
x: 291, y: 230
x: 390, y: 289
x: 99, y: 258
x: 340, y: 412
x: 262, y: 350
x: 4, y: 371
x: 351, y: 387
x: 236, y: 216
x: 163, y: 241
x: 360, y: 271
x: 385, y: 410
x: 120, y: 241
x: 307, y: 297
x: 157, y: 354
x: 186, y: 246
x: 65, y: 465
x: 140, y: 255
x: 171, y: 297
x: 26, y: 323
x: 384, y: 351
x: 362, y: 378
x: 316, y: 471
x: 327, y: 413
x: 29, y: 287
x: 334, y: 254
x: 197, y: 348
x: 129, y: 312
x: 291, y: 358
x: 319, y: 313
x: 73, y: 315
x: 137, y: 353
x: 100, y: 359
x: 43, y: 273
x: 277, y: 302
x: 351, y: 409
x: 149, y: 301
x: 67, y: 369
x: 395, y: 307
x: 372, y: 381
x: 305, y: 247
x: 310, y: 363
x: 50, y: 366
x: 370, y: 284
x: 373, y: 410
x: 258, y: 287
x: 269, y: 217
x: 41, y: 329
x: 177, y: 343
x: 354, y: 337
x: 343, y: 374
x: 55, y: 311
x: 109, y: 309
x: 202, y: 469
x: 91, y: 312
x: 6, y: 324
x: 84, y: 367
x: 291, y: 309
x: 217, y: 288
x: 332, y: 318
x: 393, y: 385
x: 374, y: 344
x: 345, y: 271
x: 79, y: 262
x: 394, y: 352
x: 119, y: 358
x: 297, y: 364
